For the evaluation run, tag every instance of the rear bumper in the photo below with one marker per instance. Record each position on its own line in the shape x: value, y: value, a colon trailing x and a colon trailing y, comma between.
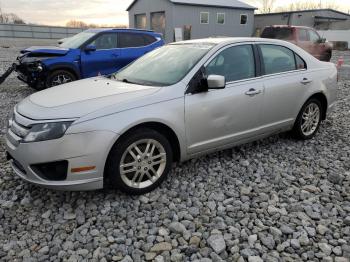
x: 80, y: 150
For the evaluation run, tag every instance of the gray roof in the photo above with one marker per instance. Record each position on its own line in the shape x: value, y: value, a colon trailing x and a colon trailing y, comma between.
x: 217, y: 3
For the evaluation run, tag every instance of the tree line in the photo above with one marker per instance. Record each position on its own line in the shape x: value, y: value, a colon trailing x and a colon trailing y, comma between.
x: 269, y: 6
x: 10, y: 18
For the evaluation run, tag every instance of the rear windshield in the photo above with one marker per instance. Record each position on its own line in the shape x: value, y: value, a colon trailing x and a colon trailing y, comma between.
x: 278, y: 33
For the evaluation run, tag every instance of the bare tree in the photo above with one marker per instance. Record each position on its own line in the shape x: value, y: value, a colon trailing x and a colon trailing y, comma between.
x: 81, y: 24
x: 307, y: 5
x: 10, y: 18
x: 266, y: 6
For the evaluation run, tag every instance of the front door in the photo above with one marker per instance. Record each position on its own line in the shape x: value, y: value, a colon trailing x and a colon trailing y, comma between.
x: 218, y: 118
x: 105, y: 59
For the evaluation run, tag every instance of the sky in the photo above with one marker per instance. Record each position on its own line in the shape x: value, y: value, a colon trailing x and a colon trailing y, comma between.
x: 112, y: 12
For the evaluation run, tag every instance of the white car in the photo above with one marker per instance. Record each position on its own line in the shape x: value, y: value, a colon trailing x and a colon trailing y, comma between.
x: 175, y: 103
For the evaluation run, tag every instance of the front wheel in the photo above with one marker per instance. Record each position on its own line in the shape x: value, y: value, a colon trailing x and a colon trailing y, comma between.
x: 139, y: 163
x: 309, y: 120
x: 59, y: 77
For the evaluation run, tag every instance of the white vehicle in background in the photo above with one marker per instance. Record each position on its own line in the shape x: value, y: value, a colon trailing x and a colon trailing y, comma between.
x: 175, y: 103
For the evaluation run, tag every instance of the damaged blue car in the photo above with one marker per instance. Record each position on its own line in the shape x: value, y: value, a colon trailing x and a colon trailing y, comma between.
x: 87, y: 54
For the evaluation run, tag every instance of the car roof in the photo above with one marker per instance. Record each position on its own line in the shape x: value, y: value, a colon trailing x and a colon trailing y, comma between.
x: 228, y: 40
x: 288, y: 26
x: 98, y: 30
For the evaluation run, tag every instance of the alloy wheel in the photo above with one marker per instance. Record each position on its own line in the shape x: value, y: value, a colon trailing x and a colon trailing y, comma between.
x: 143, y: 163
x: 310, y: 119
x: 60, y: 80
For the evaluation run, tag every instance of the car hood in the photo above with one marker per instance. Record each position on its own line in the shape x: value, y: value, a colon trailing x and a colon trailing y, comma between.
x: 77, y: 99
x: 45, y: 50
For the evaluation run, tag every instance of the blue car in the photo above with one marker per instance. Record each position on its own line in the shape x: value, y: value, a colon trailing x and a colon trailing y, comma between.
x: 88, y: 54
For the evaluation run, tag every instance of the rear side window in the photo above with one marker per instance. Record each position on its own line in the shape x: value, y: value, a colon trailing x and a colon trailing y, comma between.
x: 135, y: 40
x: 300, y: 62
x: 277, y: 59
x: 149, y: 39
x: 235, y: 63
x: 278, y: 33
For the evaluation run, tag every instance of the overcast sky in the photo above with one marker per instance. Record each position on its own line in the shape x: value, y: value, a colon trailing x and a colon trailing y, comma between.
x: 58, y: 12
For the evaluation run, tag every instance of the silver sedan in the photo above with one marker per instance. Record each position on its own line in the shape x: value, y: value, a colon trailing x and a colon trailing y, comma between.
x: 178, y: 102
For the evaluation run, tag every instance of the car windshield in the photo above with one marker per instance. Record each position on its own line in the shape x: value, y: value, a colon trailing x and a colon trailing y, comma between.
x: 164, y: 66
x: 77, y: 40
x: 283, y: 33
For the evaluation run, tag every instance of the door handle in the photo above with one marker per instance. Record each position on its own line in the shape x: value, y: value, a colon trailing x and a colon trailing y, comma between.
x: 115, y: 55
x: 306, y: 81
x: 253, y: 92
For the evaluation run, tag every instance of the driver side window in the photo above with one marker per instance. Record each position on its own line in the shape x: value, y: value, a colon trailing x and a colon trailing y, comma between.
x: 105, y: 41
x: 235, y: 63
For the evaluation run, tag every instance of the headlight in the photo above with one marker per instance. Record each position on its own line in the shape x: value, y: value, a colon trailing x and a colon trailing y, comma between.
x: 46, y: 131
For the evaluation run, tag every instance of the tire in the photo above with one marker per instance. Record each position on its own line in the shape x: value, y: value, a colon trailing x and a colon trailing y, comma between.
x: 59, y: 77
x: 327, y: 57
x: 305, y: 131
x: 135, y: 177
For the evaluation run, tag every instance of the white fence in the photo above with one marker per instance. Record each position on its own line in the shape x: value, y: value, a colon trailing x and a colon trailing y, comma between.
x: 336, y: 35
x: 37, y: 32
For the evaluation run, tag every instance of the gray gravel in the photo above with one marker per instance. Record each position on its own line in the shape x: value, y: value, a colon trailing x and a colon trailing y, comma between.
x: 273, y: 200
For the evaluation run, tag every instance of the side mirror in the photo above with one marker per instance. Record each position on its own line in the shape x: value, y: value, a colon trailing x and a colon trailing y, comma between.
x: 216, y: 82
x: 90, y: 48
x: 322, y: 40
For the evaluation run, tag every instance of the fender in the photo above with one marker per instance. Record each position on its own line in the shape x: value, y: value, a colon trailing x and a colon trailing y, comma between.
x: 69, y: 66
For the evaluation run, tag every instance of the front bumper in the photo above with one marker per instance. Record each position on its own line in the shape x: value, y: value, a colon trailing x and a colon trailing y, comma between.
x: 83, y: 149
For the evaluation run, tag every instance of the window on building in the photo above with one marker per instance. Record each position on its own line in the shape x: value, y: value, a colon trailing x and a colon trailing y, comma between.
x: 141, y: 21
x: 235, y: 63
x: 277, y: 59
x: 105, y: 41
x: 244, y: 19
x: 204, y: 17
x: 221, y: 18
x: 158, y: 22
x: 303, y: 35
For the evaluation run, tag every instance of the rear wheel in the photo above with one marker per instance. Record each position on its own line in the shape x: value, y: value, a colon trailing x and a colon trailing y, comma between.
x: 59, y: 77
x: 140, y: 162
x: 309, y: 120
x: 327, y: 56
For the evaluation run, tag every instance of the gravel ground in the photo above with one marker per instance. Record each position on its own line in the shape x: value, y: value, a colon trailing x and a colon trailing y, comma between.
x: 273, y: 200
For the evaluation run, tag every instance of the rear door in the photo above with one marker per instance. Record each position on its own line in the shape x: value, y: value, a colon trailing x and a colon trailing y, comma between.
x: 133, y: 46
x: 105, y: 59
x: 285, y: 80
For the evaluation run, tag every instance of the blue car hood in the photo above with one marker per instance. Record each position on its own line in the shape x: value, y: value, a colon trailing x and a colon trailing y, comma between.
x: 49, y: 50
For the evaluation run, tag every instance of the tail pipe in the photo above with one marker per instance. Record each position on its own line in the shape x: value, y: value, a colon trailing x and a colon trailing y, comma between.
x: 7, y: 73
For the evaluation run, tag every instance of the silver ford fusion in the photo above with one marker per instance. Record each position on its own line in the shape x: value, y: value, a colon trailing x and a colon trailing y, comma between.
x: 175, y: 103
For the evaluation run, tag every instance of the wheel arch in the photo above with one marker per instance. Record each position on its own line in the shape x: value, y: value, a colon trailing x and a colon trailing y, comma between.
x: 162, y: 128
x: 65, y: 67
x: 324, y: 102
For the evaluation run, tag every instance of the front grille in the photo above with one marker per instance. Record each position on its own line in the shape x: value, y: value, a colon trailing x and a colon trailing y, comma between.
x: 18, y: 129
